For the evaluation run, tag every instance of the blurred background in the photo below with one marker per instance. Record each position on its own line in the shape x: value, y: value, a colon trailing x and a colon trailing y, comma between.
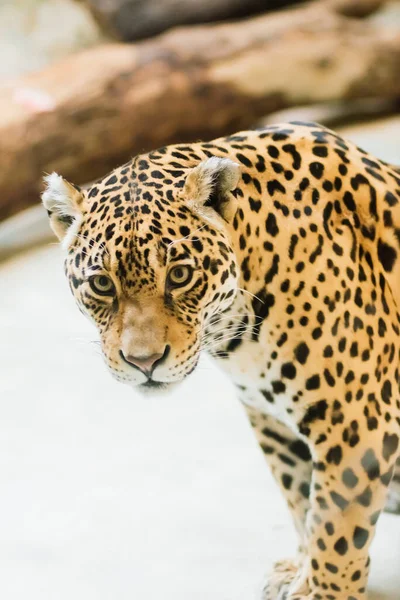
x: 105, y: 495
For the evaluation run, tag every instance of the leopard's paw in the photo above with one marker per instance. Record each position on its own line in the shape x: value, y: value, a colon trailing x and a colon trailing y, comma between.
x: 277, y: 584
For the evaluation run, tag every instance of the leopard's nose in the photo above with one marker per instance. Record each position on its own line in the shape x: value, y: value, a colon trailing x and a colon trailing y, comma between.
x: 146, y: 364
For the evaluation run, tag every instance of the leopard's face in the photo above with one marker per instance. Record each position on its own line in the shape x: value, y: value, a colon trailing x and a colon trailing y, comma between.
x: 152, y: 293
x: 150, y: 270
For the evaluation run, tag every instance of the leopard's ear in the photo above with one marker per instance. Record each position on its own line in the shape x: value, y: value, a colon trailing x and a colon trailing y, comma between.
x: 210, y: 185
x: 64, y: 203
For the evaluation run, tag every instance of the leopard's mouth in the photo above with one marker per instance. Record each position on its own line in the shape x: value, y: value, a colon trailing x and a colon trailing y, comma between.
x: 154, y: 387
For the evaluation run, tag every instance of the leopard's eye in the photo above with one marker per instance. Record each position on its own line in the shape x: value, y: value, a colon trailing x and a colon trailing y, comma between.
x: 102, y: 285
x: 179, y: 276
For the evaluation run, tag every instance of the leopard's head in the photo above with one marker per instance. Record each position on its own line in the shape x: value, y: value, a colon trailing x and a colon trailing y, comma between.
x: 149, y: 260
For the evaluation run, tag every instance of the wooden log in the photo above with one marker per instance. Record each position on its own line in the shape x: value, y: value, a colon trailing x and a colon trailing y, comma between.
x: 132, y: 20
x: 87, y: 114
x: 356, y: 8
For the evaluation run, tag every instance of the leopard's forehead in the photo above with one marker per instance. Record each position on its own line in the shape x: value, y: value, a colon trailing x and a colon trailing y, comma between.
x: 133, y: 201
x: 148, y: 183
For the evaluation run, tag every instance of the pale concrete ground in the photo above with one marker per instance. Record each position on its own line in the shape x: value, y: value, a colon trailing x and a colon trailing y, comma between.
x: 108, y: 496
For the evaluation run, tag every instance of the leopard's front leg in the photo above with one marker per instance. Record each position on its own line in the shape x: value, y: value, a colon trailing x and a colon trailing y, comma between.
x: 351, y: 472
x: 290, y: 461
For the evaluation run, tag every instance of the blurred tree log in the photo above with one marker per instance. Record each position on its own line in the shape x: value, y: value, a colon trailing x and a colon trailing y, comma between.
x: 85, y: 115
x: 355, y: 8
x: 131, y: 20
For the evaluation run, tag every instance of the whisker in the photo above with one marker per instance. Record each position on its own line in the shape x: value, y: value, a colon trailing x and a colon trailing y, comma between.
x: 237, y: 318
x: 187, y: 237
x: 225, y: 330
x: 224, y: 339
x: 250, y: 294
x: 97, y: 247
x: 238, y: 315
x: 212, y: 347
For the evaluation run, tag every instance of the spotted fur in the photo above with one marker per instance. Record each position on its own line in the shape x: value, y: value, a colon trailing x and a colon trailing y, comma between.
x: 291, y: 239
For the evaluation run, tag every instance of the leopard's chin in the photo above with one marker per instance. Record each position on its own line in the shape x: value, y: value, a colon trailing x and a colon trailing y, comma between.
x: 156, y: 388
x: 154, y: 385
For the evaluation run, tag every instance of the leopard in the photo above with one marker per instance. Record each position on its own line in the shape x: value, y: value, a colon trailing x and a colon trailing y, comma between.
x: 276, y: 252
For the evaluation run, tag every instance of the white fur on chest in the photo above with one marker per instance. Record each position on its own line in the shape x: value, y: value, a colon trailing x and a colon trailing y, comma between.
x: 250, y: 369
